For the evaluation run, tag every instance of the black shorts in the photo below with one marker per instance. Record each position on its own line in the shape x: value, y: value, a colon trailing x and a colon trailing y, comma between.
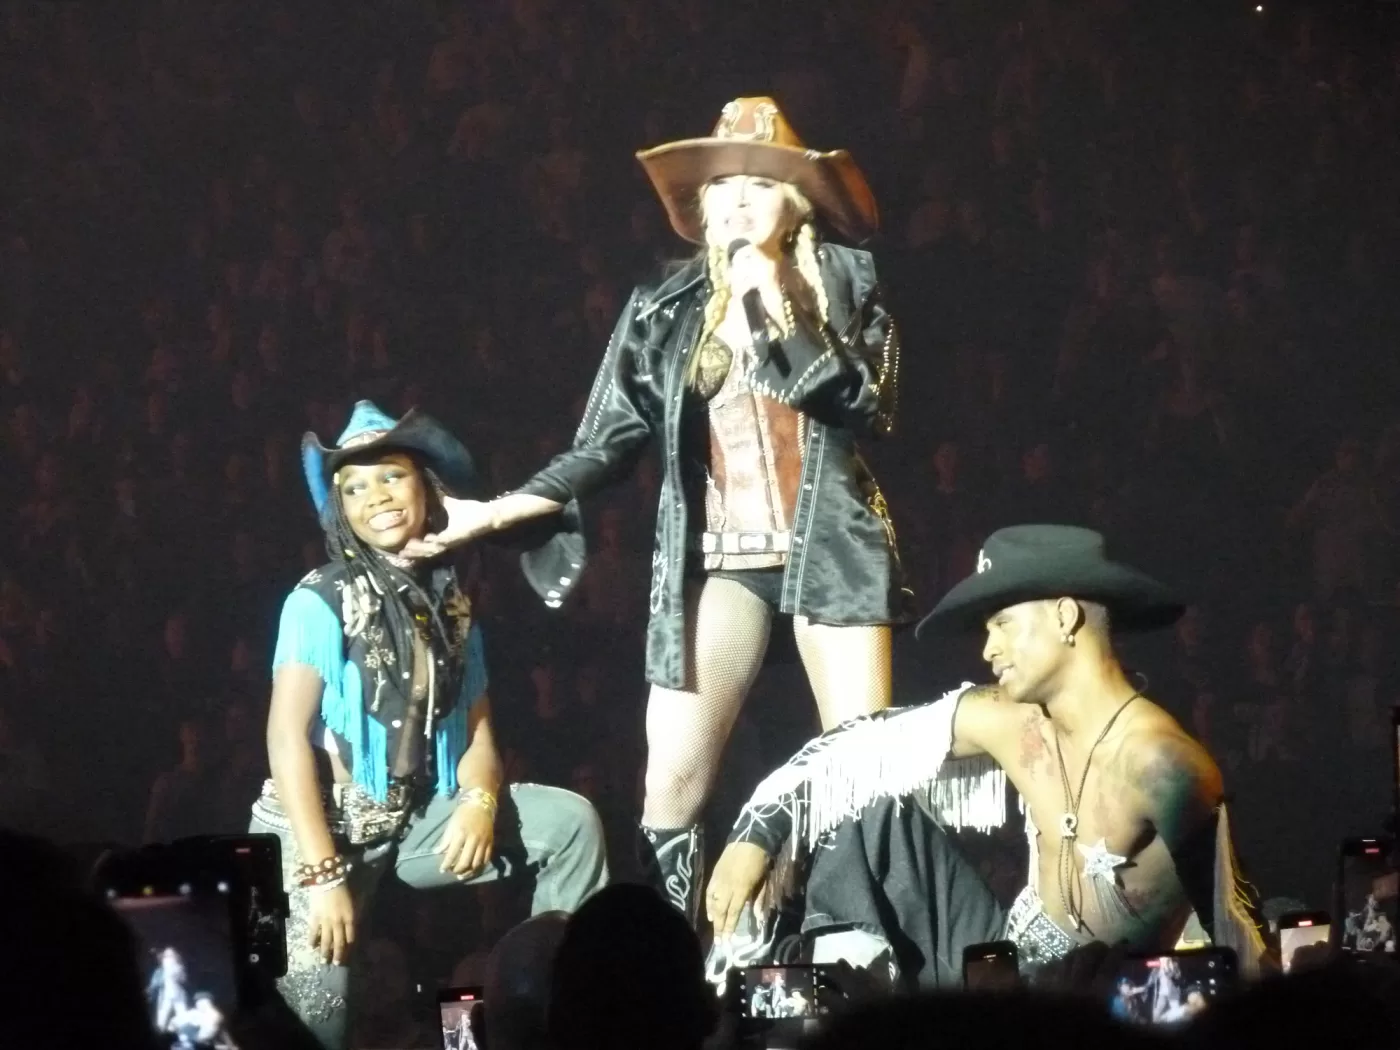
x: 764, y: 584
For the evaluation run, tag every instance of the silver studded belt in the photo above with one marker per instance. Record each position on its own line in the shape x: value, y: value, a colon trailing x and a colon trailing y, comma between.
x: 741, y: 542
x: 351, y: 812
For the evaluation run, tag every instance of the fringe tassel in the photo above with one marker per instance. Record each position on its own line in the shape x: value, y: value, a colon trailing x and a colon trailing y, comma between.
x: 343, y: 712
x: 970, y: 793
x: 1032, y: 846
x: 894, y: 755
x: 450, y: 740
x: 1234, y: 924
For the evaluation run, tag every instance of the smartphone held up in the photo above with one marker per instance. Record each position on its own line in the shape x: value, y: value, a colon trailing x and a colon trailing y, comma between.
x: 1366, y: 896
x: 991, y: 967
x: 1171, y: 988
x: 455, y: 1008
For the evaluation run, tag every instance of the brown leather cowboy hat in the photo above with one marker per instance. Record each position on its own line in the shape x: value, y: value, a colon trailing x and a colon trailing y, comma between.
x: 754, y: 138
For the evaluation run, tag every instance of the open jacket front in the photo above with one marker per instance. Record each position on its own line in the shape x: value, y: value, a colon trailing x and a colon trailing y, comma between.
x: 843, y: 567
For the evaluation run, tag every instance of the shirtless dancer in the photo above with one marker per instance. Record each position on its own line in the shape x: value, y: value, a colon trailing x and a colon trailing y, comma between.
x: 1125, y: 814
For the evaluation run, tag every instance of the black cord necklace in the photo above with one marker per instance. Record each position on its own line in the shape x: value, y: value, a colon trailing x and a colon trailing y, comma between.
x: 1069, y: 819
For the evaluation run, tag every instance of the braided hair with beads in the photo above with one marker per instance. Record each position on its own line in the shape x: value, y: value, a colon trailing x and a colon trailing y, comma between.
x: 389, y: 576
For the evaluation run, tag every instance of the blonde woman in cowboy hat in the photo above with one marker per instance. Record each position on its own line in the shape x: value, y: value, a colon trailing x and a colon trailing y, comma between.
x: 755, y: 368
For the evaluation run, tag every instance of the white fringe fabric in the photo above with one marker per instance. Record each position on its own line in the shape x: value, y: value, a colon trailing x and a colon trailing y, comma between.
x: 891, y: 754
x: 1234, y: 926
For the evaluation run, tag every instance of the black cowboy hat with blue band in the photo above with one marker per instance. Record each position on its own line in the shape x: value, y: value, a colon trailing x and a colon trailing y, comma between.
x: 1025, y: 563
x: 370, y: 432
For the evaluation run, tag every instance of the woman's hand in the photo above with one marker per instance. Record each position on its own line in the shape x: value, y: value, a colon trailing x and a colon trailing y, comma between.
x: 750, y: 269
x: 466, y: 845
x: 332, y: 922
x: 738, y: 875
x: 466, y: 520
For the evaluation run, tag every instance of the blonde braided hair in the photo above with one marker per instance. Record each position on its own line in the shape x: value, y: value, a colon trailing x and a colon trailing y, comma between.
x: 717, y: 261
x: 804, y: 255
x: 803, y: 244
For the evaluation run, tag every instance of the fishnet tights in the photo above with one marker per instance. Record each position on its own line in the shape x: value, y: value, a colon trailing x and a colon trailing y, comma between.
x: 728, y: 628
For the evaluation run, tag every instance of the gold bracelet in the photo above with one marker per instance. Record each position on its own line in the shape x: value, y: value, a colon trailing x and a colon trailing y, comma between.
x: 478, y: 797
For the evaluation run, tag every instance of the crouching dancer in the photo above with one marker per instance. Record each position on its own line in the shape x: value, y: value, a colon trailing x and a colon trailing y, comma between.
x: 1124, y: 810
x: 379, y: 732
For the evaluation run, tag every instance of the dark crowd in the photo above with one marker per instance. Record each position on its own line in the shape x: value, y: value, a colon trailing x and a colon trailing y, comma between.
x: 626, y: 971
x: 1139, y: 259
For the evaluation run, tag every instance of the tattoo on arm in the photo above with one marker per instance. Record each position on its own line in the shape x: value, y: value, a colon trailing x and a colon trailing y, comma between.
x: 1170, y: 784
x: 971, y: 711
x: 1034, y: 756
x: 1175, y: 793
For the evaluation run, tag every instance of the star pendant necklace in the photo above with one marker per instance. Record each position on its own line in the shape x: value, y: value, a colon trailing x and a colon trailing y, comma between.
x: 1069, y: 823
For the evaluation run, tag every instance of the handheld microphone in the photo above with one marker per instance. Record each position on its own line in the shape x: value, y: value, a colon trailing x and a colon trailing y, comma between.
x: 753, y: 307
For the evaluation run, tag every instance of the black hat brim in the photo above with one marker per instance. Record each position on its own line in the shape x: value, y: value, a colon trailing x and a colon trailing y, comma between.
x: 1136, y: 602
x: 418, y: 434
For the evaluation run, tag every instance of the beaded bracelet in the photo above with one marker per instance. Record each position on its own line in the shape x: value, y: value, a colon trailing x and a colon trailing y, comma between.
x: 478, y: 797
x: 329, y: 871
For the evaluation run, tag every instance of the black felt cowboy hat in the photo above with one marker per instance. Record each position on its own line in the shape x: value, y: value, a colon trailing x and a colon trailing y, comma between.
x: 1025, y: 563
x: 370, y: 431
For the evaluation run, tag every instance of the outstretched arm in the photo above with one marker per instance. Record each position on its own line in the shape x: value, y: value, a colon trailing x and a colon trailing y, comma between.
x: 764, y: 824
x: 610, y: 438
x: 612, y: 435
x: 835, y: 776
x: 985, y: 723
x: 768, y: 819
x: 891, y: 751
x: 469, y: 519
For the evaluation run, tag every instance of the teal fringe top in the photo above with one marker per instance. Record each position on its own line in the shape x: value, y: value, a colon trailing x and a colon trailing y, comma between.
x: 311, y: 633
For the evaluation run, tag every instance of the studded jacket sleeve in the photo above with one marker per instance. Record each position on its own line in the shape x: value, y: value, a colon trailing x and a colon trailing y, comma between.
x: 614, y: 430
x: 849, y: 377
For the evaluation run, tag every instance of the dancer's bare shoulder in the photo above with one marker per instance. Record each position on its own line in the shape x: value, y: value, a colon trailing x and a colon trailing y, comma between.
x: 986, y: 723
x: 1170, y: 778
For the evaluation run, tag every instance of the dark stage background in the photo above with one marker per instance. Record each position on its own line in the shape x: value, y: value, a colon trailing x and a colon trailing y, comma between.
x: 1144, y: 262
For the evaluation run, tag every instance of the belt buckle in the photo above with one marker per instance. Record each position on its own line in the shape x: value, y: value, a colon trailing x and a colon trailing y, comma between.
x: 743, y: 542
x: 403, y: 793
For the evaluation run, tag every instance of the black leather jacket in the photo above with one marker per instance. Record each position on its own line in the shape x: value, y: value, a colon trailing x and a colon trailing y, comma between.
x: 843, y: 567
